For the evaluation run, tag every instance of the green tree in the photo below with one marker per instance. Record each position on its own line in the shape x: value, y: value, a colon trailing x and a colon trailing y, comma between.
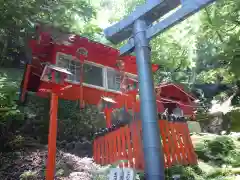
x: 17, y: 19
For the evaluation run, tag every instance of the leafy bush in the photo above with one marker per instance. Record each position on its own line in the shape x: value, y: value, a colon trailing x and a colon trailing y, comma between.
x: 221, y: 145
x: 74, y: 123
x: 235, y: 123
x: 28, y: 175
x: 185, y: 173
x: 221, y: 150
x: 17, y: 142
x: 11, y: 118
x: 201, y: 150
x: 33, y: 118
x: 8, y: 95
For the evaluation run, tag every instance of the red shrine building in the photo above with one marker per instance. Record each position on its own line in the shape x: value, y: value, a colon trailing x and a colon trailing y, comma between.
x: 68, y: 66
x: 89, y: 71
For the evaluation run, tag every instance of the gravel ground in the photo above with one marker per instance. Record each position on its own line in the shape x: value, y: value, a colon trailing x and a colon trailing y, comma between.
x: 68, y: 166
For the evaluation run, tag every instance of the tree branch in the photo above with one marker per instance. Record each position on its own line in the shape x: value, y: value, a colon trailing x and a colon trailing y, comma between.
x: 181, y: 62
x: 211, y: 23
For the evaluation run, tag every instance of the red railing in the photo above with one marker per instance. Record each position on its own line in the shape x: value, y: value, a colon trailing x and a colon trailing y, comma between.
x: 125, y: 143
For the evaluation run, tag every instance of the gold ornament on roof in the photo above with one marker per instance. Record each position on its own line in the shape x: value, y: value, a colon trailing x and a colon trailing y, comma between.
x: 120, y: 64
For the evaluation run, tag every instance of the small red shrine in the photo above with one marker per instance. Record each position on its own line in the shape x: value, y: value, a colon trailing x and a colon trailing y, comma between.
x: 72, y: 67
x: 173, y: 98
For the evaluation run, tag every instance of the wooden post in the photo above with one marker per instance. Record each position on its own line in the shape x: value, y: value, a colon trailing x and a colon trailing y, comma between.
x: 81, y: 100
x: 108, y: 112
x: 52, y: 138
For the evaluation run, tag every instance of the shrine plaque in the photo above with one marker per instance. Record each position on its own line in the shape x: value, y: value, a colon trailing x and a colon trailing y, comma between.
x: 122, y: 174
x: 128, y: 174
x: 116, y: 174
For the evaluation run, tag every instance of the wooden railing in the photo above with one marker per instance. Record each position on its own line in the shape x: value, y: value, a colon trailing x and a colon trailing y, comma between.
x: 125, y: 143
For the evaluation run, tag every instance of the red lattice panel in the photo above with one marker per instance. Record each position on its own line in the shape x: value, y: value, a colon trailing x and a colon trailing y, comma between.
x: 125, y: 144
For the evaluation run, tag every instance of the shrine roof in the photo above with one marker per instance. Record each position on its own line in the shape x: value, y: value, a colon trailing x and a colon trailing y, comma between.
x: 106, y: 53
x: 171, y: 89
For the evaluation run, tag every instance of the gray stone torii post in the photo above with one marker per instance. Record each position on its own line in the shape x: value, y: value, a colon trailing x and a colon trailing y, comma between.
x: 139, y: 28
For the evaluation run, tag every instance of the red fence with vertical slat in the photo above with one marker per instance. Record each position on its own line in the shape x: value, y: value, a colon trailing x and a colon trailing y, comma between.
x: 125, y: 143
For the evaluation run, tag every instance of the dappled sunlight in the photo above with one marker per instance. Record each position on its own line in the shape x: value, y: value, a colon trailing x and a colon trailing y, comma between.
x: 222, y: 107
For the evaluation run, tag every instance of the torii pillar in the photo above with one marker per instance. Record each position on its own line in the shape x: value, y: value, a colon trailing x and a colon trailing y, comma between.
x: 52, y: 138
x: 139, y: 26
x: 57, y: 87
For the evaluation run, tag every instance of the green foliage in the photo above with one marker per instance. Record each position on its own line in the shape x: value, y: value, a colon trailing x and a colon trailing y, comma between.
x: 28, y: 175
x: 220, y: 174
x: 75, y: 122
x: 17, y: 142
x: 32, y: 120
x: 185, y: 173
x: 219, y: 40
x: 220, y: 150
x: 217, y: 152
x: 197, y: 50
x: 17, y: 19
x: 221, y: 145
x: 201, y: 150
x: 11, y: 118
x: 235, y: 123
x: 8, y: 106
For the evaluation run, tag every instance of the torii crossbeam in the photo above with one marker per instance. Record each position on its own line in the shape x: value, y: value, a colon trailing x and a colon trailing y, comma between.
x: 138, y: 26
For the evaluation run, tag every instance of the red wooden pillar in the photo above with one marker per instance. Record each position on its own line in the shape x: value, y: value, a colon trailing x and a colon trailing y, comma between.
x: 52, y: 138
x: 108, y: 113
